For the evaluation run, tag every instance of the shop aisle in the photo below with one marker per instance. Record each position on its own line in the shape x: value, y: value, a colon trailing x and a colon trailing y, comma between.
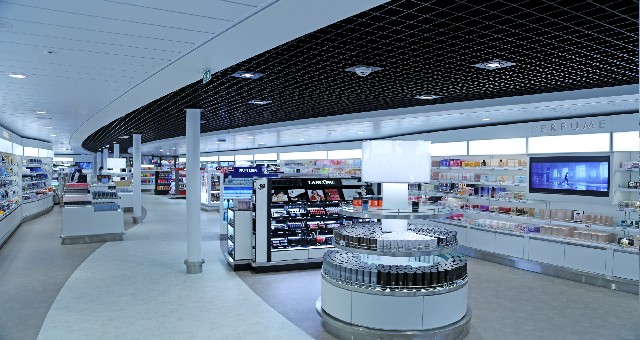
x: 138, y: 289
x: 34, y: 266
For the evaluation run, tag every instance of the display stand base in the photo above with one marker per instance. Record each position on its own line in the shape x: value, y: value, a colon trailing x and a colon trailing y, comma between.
x: 194, y: 267
x: 343, y: 330
x: 208, y: 208
x: 598, y: 280
x: 36, y: 215
x: 237, y: 265
x: 98, y: 238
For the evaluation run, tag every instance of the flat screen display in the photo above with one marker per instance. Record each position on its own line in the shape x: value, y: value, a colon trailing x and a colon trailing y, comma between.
x: 570, y: 175
x: 85, y: 165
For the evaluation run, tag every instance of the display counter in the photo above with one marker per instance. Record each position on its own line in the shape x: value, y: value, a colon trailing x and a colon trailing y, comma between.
x: 37, y: 206
x: 598, y: 263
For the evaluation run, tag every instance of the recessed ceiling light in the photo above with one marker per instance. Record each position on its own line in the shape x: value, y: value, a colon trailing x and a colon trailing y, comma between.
x: 247, y: 75
x: 363, y: 70
x: 174, y: 148
x: 486, y: 119
x: 167, y: 153
x: 494, y: 64
x: 301, y: 138
x: 206, y: 149
x: 18, y: 76
x: 259, y: 102
x: 260, y: 143
x: 41, y: 111
x: 124, y: 137
x: 48, y: 127
x: 427, y: 96
x: 360, y: 131
x: 218, y: 142
x: 53, y: 135
x: 250, y: 137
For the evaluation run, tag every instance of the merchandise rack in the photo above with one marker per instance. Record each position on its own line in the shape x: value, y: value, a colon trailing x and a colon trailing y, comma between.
x: 295, y: 233
x: 163, y: 182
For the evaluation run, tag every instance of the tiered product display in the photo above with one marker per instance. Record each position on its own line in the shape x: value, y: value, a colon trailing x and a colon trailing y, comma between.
x: 413, y: 273
x: 319, y: 167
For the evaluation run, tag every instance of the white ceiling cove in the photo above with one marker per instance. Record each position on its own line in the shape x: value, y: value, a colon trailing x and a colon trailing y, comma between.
x: 89, y: 62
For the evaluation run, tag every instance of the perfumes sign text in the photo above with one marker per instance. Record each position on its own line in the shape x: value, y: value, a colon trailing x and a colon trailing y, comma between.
x: 569, y: 126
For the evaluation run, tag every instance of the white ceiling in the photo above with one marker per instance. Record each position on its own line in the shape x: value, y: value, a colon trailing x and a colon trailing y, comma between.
x: 397, y: 122
x: 88, y: 62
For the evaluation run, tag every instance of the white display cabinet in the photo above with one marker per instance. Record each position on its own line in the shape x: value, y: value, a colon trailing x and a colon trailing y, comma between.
x: 37, y: 192
x: 210, y: 189
x: 10, y: 194
x: 88, y: 218
x: 239, y: 232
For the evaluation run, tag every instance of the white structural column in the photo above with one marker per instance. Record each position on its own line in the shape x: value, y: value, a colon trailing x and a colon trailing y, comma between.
x: 97, y: 160
x: 105, y: 155
x: 137, y: 178
x: 116, y: 150
x: 194, y: 259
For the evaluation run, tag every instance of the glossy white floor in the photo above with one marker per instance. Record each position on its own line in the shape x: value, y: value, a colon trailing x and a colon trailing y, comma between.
x: 138, y: 289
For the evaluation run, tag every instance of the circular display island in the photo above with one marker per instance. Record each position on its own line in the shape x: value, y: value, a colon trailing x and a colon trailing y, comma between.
x: 384, y: 282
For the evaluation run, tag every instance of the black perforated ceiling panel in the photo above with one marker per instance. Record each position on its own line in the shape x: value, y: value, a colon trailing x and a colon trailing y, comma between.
x: 423, y: 48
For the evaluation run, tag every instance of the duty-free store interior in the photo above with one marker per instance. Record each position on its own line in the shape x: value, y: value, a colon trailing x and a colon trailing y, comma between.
x: 371, y: 170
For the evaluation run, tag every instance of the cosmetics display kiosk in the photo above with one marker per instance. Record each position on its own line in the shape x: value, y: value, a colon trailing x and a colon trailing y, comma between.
x: 90, y: 217
x: 239, y: 232
x: 295, y: 218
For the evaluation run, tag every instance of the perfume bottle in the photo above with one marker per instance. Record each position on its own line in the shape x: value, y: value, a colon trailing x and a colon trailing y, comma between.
x: 484, y: 163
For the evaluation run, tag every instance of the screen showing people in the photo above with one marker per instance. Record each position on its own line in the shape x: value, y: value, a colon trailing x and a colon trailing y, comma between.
x: 297, y: 195
x: 332, y: 195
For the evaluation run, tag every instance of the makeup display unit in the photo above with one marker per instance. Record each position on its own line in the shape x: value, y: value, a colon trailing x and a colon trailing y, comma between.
x: 295, y: 218
x: 383, y: 282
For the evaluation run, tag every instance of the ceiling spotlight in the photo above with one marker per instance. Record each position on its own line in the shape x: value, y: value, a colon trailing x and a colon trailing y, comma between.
x: 18, y: 76
x: 486, y: 119
x: 494, y: 64
x: 260, y: 143
x: 363, y: 70
x: 174, y: 148
x: 427, y: 96
x: 218, y: 142
x: 301, y: 138
x: 167, y: 153
x: 247, y: 75
x: 259, y: 102
x: 360, y: 131
x: 124, y: 137
x: 48, y: 127
x: 41, y: 111
x: 53, y: 135
x: 206, y: 149
x: 250, y: 137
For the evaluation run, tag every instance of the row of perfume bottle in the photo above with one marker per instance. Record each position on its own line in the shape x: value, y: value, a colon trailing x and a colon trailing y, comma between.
x: 419, y: 237
x: 97, y: 195
x: 107, y: 206
x: 7, y: 160
x: 356, y: 270
x: 461, y: 163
